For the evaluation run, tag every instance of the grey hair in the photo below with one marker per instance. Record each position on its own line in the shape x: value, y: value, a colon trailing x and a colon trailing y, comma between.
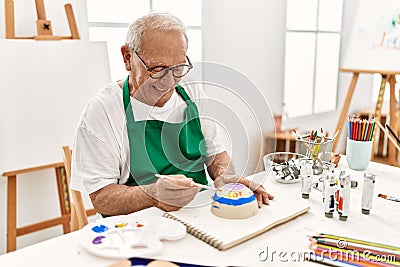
x: 160, y: 21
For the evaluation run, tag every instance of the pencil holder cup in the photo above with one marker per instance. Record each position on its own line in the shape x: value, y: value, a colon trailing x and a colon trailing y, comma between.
x: 322, y: 149
x: 358, y: 154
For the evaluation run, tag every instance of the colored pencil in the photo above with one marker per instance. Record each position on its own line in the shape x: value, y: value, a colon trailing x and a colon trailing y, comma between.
x: 345, y: 255
x: 368, y: 131
x: 323, y: 259
x: 354, y: 252
x: 358, y: 241
x: 372, y: 131
x: 360, y: 130
x: 363, y: 130
x: 348, y: 127
x: 355, y: 130
x: 356, y: 133
x: 358, y: 247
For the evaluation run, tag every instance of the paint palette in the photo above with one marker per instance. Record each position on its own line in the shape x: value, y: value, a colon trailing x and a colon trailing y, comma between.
x: 125, y: 236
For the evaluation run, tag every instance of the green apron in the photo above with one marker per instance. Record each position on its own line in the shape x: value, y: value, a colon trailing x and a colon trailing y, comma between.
x: 163, y: 147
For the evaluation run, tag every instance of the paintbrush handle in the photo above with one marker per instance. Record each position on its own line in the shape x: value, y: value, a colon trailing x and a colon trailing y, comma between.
x: 192, y: 183
x: 203, y: 186
x: 311, y: 151
x: 394, y: 135
x: 388, y: 135
x: 336, y: 134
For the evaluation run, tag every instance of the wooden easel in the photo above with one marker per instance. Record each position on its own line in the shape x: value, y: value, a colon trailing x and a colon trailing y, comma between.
x: 387, y: 77
x: 13, y: 229
x: 43, y: 26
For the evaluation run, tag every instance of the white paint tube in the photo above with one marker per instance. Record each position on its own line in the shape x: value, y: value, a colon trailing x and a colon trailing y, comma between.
x: 367, y: 192
x: 306, y: 179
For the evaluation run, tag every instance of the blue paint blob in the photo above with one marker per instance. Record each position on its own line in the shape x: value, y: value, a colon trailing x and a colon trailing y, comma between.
x: 215, y: 207
x: 100, y: 228
x: 234, y: 202
x: 98, y: 240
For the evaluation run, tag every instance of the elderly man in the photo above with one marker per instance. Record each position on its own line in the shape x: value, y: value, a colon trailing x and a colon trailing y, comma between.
x: 148, y: 124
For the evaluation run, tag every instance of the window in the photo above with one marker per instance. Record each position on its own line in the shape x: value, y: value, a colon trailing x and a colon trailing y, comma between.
x: 109, y: 21
x: 312, y: 53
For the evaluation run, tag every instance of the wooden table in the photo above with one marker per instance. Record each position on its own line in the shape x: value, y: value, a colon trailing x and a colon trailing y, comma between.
x: 382, y: 225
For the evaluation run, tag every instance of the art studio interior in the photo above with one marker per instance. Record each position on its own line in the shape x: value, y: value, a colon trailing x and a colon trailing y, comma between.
x: 199, y: 132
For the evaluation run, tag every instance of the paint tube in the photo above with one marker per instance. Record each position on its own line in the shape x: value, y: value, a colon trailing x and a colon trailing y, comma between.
x: 367, y: 192
x: 330, y: 189
x: 325, y: 176
x: 337, y: 174
x: 306, y: 179
x: 344, y: 197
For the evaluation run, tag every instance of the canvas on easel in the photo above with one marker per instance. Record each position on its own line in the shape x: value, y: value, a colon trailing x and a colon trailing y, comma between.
x: 374, y: 47
x: 375, y: 40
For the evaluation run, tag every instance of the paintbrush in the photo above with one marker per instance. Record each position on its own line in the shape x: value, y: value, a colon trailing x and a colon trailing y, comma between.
x: 192, y: 183
x: 308, y: 148
x: 337, y: 132
x: 303, y: 142
x: 388, y: 135
x: 393, y: 134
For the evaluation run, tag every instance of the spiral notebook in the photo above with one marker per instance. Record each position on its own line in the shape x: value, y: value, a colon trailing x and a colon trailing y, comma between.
x: 227, y: 233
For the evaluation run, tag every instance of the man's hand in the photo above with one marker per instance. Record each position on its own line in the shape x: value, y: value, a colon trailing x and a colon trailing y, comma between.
x: 259, y: 191
x: 172, y: 194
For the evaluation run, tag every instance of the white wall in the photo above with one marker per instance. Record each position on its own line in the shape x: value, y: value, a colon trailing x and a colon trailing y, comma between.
x: 247, y: 36
x: 250, y: 36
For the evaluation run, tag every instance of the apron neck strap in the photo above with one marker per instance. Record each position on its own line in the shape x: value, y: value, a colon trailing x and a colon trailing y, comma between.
x: 179, y: 89
x: 127, y: 100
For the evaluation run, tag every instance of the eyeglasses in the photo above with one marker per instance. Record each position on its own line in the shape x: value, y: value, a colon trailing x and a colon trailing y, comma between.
x: 158, y: 72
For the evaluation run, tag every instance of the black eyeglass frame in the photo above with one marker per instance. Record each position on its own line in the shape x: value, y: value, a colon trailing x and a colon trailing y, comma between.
x: 164, y: 68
